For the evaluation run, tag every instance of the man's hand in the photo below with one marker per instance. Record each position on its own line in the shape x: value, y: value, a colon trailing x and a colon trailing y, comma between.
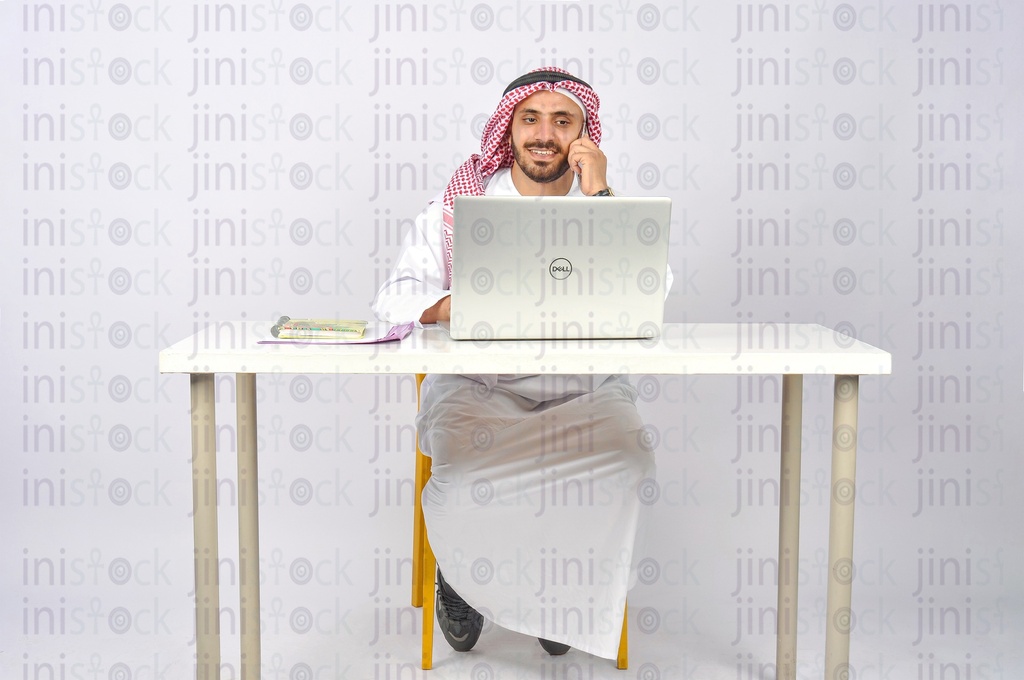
x: 439, y: 311
x: 590, y: 164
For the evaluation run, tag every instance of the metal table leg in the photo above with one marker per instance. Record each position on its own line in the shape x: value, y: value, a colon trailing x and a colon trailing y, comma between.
x: 204, y: 526
x: 840, y: 530
x: 789, y: 526
x: 248, y: 525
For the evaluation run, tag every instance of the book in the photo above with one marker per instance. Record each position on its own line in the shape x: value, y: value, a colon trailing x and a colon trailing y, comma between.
x: 375, y: 333
x: 288, y: 328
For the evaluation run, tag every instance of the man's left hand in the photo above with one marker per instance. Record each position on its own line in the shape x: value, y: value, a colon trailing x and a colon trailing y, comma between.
x: 590, y: 165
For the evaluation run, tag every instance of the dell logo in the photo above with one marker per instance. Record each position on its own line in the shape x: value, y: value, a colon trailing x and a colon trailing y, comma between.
x: 560, y: 268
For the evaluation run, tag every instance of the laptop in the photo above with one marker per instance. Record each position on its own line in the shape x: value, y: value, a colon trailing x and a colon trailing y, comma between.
x: 558, y: 267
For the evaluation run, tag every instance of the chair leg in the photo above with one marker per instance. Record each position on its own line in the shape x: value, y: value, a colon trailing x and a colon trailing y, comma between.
x: 418, y: 529
x: 424, y: 566
x: 622, y: 661
x: 427, y: 593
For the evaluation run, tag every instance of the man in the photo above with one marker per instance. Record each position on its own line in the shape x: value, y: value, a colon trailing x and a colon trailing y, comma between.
x: 532, y: 508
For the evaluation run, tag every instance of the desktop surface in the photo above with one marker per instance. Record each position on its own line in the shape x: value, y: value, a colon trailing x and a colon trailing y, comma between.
x: 692, y: 348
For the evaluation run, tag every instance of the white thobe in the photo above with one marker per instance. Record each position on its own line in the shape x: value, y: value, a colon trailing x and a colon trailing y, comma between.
x: 535, y: 499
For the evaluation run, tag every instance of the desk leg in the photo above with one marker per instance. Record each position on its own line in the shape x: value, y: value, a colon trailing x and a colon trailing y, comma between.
x: 840, y: 529
x: 204, y: 526
x: 789, y: 526
x: 248, y: 525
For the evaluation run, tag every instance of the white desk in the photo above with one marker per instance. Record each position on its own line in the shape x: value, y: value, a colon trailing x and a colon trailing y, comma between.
x: 791, y: 350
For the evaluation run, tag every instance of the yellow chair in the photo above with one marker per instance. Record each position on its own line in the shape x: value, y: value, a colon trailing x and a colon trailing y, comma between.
x: 424, y: 565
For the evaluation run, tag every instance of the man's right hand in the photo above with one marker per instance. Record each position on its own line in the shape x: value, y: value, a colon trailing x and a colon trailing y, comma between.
x: 439, y: 311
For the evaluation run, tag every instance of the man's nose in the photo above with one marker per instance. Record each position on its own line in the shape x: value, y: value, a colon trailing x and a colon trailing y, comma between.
x: 545, y: 131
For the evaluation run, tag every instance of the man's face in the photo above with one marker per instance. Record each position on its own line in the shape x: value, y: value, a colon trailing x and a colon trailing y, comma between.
x: 543, y: 126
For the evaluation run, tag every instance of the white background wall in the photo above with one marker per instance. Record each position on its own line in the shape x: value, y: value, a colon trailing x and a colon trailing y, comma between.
x: 880, y: 137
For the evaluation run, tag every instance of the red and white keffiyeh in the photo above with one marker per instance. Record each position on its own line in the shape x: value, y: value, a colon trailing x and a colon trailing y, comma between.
x: 496, y: 151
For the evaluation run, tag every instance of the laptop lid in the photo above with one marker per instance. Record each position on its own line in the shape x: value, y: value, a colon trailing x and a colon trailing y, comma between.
x: 558, y: 267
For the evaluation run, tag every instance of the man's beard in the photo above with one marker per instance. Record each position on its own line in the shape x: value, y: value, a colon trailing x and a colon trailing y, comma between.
x: 541, y: 175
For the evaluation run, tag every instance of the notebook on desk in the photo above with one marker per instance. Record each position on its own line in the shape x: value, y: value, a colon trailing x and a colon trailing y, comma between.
x: 550, y: 267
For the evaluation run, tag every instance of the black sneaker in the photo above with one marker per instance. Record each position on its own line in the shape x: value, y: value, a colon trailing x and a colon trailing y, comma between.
x: 460, y: 623
x: 553, y: 648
